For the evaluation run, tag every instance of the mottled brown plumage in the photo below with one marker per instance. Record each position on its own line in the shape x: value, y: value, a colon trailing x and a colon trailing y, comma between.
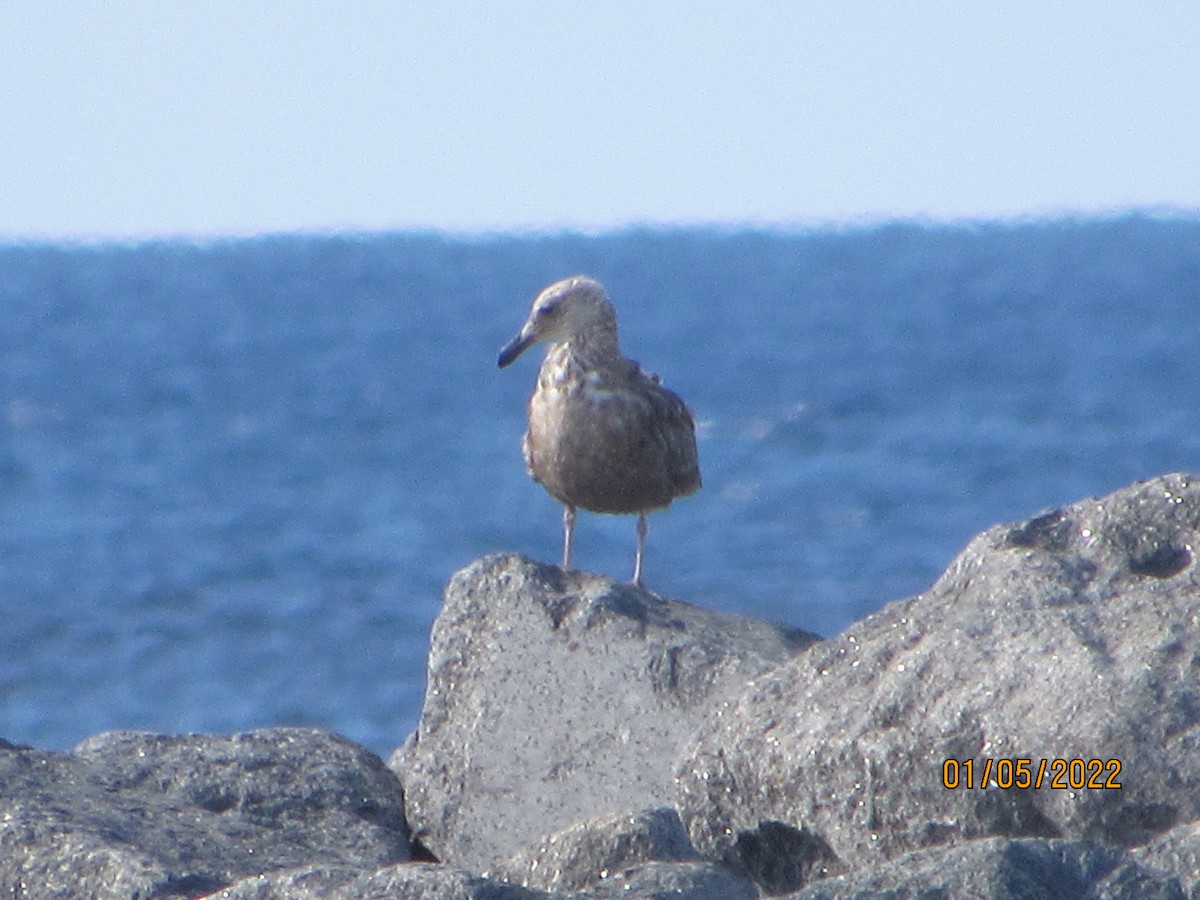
x: 603, y: 435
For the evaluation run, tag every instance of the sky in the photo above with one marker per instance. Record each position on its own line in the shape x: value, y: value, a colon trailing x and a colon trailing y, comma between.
x: 128, y: 119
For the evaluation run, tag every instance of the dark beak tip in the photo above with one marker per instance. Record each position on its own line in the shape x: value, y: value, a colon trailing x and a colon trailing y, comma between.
x: 511, y: 351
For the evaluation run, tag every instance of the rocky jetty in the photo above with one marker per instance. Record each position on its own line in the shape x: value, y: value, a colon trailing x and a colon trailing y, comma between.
x: 1027, y: 727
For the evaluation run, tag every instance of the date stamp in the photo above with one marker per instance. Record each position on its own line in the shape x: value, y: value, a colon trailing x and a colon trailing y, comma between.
x: 1024, y: 774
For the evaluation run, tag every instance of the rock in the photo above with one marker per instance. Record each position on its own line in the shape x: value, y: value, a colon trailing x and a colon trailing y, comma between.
x: 676, y: 881
x: 1071, y: 636
x: 641, y: 855
x: 589, y: 852
x: 1003, y: 867
x: 410, y: 881
x: 556, y: 697
x: 1175, y: 853
x: 307, y: 883
x: 644, y: 855
x: 141, y: 815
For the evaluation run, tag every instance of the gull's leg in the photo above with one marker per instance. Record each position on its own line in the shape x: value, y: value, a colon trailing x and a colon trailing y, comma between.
x: 641, y: 544
x: 568, y: 533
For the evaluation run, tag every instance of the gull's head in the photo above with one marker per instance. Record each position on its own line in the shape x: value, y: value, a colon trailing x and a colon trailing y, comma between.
x: 572, y: 310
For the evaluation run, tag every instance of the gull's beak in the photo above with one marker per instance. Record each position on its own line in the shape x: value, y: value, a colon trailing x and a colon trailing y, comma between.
x: 516, y: 346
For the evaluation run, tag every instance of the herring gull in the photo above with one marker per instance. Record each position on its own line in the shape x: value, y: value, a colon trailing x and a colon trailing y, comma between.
x: 603, y: 435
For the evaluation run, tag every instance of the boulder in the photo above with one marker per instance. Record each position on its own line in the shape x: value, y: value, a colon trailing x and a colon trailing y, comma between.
x: 589, y: 852
x: 1070, y: 637
x: 410, y: 881
x: 554, y: 697
x: 130, y: 814
x: 670, y: 881
x: 638, y: 855
x: 1177, y: 852
x: 1014, y: 869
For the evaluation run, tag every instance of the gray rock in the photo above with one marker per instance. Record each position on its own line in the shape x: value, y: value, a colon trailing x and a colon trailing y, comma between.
x: 1069, y: 636
x: 1175, y: 853
x: 141, y: 815
x: 410, y: 881
x: 1021, y: 869
x: 589, y: 852
x: 306, y: 883
x: 672, y: 881
x: 646, y: 854
x: 556, y: 697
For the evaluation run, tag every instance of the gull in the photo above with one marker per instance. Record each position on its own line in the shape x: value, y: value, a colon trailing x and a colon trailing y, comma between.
x: 603, y: 435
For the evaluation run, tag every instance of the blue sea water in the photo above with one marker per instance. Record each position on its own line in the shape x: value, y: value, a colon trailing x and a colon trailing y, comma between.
x: 235, y: 476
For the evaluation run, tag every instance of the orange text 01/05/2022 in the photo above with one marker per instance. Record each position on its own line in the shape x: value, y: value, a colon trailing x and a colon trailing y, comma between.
x: 1025, y: 773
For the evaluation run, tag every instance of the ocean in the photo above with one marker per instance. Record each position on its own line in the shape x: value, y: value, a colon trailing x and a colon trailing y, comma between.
x: 235, y: 475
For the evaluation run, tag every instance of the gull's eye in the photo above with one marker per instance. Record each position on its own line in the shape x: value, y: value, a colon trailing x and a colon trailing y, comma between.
x: 549, y: 311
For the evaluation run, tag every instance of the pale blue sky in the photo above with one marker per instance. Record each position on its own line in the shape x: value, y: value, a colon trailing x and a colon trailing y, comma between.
x: 133, y: 119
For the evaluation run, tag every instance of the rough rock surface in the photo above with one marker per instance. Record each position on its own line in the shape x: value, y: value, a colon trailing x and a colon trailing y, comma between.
x: 556, y: 697
x: 1021, y: 869
x: 411, y: 881
x: 642, y: 854
x: 671, y: 881
x: 1071, y: 636
x: 140, y: 815
x: 591, y: 851
x: 1176, y: 852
